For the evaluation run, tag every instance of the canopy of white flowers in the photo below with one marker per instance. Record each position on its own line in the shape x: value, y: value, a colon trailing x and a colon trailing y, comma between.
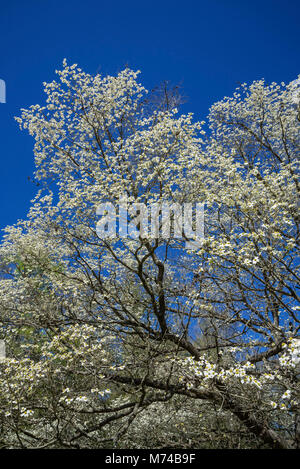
x: 104, y: 337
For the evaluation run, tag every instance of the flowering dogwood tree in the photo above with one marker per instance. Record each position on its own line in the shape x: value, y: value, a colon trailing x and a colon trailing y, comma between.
x: 143, y: 341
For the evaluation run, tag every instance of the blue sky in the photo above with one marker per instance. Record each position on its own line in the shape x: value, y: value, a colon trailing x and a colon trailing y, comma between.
x: 207, y: 46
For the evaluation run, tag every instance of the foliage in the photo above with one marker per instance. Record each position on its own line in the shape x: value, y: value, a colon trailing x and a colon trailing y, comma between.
x: 123, y: 342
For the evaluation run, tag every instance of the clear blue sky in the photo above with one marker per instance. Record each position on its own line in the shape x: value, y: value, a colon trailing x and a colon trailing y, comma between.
x: 209, y: 46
